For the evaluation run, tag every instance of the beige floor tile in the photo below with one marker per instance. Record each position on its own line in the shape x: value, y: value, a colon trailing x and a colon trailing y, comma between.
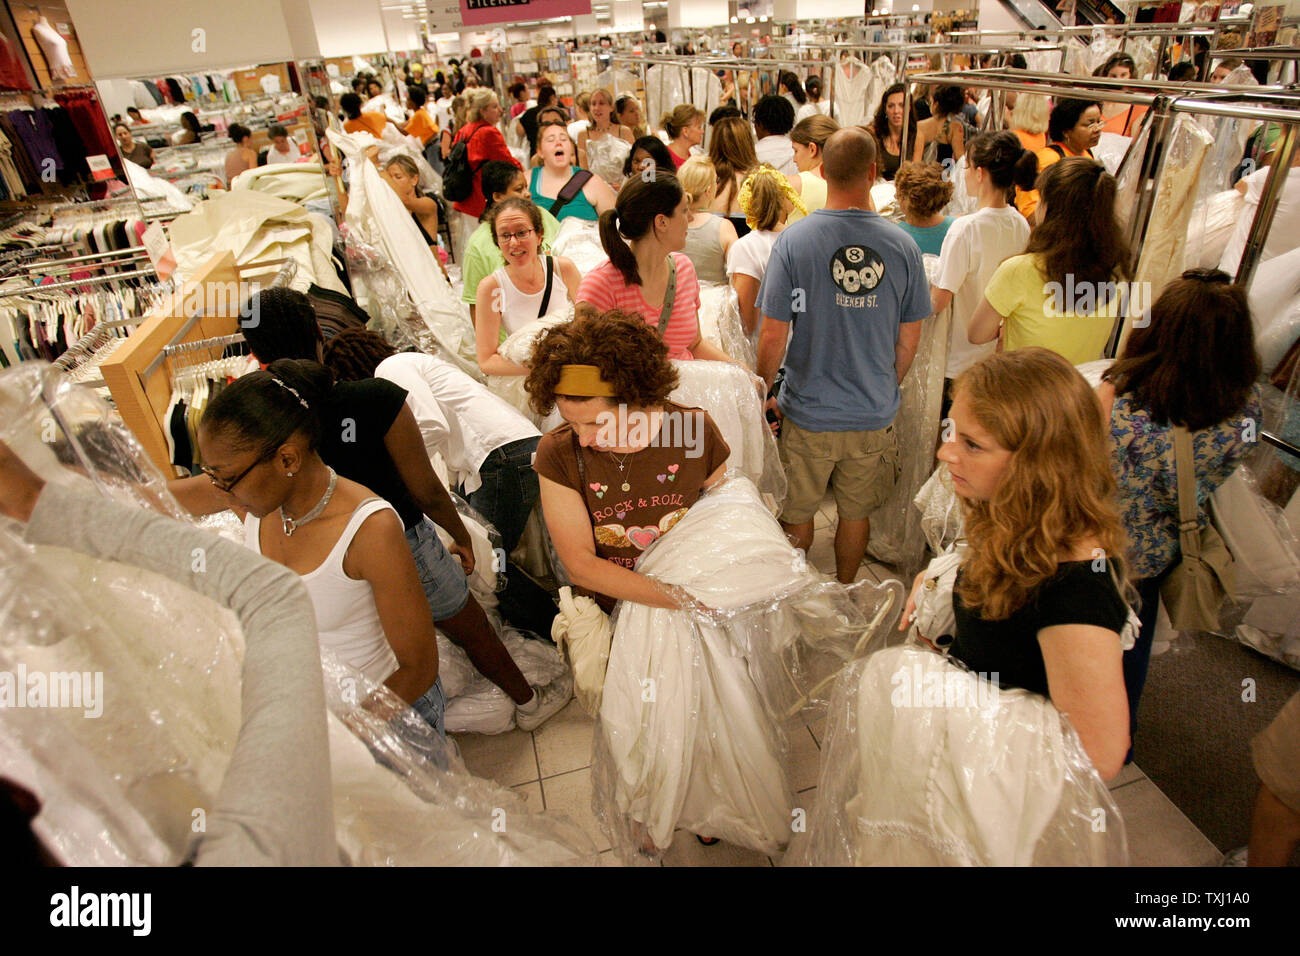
x: 1158, y: 832
x: 610, y: 858
x: 564, y: 741
x: 570, y: 793
x: 688, y: 851
x: 805, y: 759
x: 532, y: 792
x: 509, y: 758
x: 1128, y: 775
x: 884, y: 572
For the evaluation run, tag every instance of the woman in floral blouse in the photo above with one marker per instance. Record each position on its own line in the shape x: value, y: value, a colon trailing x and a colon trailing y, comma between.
x: 1194, y: 364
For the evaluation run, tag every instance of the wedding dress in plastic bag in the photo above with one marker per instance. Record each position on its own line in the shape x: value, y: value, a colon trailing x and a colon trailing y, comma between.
x: 133, y: 785
x: 690, y: 728
x: 605, y: 158
x: 1110, y: 150
x: 728, y: 393
x: 720, y: 322
x: 579, y: 241
x: 896, y: 537
x: 377, y: 219
x: 927, y: 764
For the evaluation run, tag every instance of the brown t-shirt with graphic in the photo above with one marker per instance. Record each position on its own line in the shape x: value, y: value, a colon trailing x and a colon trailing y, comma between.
x: 663, y: 480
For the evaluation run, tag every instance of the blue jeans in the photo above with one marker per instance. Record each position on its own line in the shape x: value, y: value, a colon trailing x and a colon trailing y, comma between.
x: 509, y: 489
x: 432, y: 706
x: 445, y: 584
x: 1138, y: 657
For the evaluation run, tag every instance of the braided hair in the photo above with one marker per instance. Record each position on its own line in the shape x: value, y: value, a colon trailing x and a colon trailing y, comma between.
x: 354, y: 354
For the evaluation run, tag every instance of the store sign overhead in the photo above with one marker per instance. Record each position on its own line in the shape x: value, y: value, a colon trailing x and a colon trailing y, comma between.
x: 478, y: 12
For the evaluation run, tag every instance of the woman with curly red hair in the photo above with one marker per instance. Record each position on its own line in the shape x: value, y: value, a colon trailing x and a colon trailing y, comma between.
x: 627, y: 463
x: 1038, y: 600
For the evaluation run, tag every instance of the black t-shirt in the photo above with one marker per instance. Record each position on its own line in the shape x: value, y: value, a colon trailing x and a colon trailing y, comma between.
x: 354, y: 423
x: 1076, y: 595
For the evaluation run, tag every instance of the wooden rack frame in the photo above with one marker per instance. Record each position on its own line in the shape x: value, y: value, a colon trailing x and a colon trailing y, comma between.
x: 139, y: 382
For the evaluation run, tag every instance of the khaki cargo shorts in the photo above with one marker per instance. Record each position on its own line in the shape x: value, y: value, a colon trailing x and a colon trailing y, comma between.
x: 860, y: 468
x: 1276, y: 753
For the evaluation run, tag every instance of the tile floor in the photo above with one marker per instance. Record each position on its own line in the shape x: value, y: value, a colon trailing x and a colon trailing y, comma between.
x: 551, y: 767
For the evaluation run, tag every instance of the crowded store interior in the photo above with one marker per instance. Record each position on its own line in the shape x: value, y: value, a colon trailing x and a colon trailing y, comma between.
x: 688, y: 433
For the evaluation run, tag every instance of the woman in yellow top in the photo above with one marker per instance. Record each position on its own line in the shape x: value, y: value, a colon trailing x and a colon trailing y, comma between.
x: 1072, y: 130
x: 808, y: 137
x: 1067, y: 290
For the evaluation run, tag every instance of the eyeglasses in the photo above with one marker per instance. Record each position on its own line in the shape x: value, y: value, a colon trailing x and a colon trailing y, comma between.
x: 504, y: 237
x: 229, y: 486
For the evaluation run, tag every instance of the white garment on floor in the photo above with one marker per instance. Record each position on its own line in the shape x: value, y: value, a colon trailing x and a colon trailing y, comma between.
x: 347, y: 619
x: 459, y: 418
x: 915, y: 775
x: 972, y: 250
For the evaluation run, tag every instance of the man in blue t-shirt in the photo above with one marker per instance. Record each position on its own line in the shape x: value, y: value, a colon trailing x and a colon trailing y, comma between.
x: 848, y: 289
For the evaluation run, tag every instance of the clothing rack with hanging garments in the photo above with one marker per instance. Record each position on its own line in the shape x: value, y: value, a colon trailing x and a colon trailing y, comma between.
x: 1149, y: 152
x: 206, y: 307
x: 1284, y: 65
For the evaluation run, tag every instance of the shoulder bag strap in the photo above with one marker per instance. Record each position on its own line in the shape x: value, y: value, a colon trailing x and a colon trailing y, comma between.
x: 670, y: 296
x: 570, y: 191
x: 546, y: 295
x: 1188, y: 526
x: 1057, y: 148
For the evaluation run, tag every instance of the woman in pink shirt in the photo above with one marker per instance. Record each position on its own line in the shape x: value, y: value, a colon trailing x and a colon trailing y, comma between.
x: 647, y: 274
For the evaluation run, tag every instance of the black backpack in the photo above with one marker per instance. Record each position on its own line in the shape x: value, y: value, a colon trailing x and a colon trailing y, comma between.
x: 457, y: 173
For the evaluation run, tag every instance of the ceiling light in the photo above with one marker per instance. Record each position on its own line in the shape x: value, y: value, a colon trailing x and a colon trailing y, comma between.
x: 749, y: 19
x: 735, y: 19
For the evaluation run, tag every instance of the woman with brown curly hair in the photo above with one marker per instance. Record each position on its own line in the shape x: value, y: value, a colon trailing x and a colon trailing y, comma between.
x: 922, y: 192
x: 1038, y: 600
x: 627, y: 463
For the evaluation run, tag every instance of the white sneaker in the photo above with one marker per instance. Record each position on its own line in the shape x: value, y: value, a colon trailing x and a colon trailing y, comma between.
x: 546, y: 703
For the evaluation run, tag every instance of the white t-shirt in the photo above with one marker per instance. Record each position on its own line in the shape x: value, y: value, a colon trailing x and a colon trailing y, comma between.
x: 274, y: 156
x: 777, y: 151
x: 576, y: 127
x: 749, y: 254
x: 459, y: 419
x: 442, y: 111
x: 972, y: 251
x: 801, y: 113
x: 1283, y: 234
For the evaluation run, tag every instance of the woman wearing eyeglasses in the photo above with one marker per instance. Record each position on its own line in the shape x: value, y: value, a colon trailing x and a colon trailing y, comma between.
x: 259, y: 438
x: 528, y: 287
x: 1073, y: 129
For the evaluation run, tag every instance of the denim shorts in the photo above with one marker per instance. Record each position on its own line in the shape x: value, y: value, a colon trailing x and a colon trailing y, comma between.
x: 432, y: 706
x: 445, y: 584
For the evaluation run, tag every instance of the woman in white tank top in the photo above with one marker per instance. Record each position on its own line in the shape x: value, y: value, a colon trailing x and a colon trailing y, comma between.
x: 513, y: 295
x: 258, y: 442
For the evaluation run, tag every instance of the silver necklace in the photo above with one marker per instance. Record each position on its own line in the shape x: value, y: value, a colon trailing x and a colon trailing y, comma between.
x: 625, y: 486
x: 293, y: 524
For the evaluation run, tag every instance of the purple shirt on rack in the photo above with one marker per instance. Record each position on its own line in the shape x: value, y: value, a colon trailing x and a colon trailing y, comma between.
x: 36, y: 130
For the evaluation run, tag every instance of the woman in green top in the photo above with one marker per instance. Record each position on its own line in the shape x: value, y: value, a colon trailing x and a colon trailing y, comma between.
x: 555, y: 150
x: 1068, y: 289
x: 501, y: 180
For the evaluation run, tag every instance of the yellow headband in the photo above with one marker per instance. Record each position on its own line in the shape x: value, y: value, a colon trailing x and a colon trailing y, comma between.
x: 746, y: 197
x: 583, y: 381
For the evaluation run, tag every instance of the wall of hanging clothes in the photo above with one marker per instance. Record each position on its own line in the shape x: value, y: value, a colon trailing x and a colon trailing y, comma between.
x: 45, y: 139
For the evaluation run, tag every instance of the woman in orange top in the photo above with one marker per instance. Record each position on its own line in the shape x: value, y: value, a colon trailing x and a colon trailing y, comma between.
x: 1072, y: 130
x: 1118, y: 117
x: 372, y: 123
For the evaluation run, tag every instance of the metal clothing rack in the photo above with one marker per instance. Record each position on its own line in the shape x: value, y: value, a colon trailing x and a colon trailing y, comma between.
x: 72, y: 283
x: 217, y: 342
x: 1256, y: 104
